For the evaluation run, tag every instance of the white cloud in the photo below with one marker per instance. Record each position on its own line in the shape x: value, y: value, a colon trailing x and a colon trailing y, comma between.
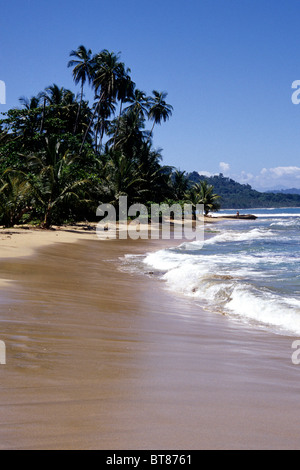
x: 272, y: 178
x: 224, y: 167
x: 280, y: 177
x: 246, y: 177
x: 205, y: 173
x: 283, y: 171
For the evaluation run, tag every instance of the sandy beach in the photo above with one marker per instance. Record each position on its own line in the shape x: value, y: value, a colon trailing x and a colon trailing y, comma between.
x: 25, y: 240
x: 102, y: 358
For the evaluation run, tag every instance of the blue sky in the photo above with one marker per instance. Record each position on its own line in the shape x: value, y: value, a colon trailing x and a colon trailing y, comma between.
x: 227, y: 65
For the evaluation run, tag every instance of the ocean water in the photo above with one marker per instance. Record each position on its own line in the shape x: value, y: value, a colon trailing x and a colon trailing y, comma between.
x: 247, y: 269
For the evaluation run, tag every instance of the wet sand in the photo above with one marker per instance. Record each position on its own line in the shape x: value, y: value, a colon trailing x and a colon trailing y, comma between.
x: 98, y: 358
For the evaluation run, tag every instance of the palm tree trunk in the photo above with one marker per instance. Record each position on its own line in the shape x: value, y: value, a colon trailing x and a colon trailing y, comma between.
x: 97, y: 129
x: 47, y: 220
x: 90, y: 123
x: 101, y: 135
x: 88, y: 128
x: 79, y: 109
x: 43, y: 116
x: 152, y: 128
x: 96, y: 135
x: 118, y: 125
x: 151, y: 132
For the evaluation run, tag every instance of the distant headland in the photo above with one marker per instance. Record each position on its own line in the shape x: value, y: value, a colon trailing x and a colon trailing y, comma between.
x: 234, y: 195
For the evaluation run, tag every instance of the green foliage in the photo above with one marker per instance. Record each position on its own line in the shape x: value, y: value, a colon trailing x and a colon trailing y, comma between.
x: 60, y: 157
x: 15, y: 197
x: 234, y: 195
x: 202, y: 193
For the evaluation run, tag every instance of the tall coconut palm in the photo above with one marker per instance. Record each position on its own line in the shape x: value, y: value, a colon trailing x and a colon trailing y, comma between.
x: 83, y: 71
x: 125, y: 89
x: 105, y: 110
x: 159, y: 110
x: 107, y: 73
x: 139, y: 103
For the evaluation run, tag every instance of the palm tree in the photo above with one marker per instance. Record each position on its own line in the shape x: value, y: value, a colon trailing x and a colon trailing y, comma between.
x: 180, y: 185
x: 83, y: 71
x: 108, y: 71
x: 202, y: 193
x: 159, y: 110
x: 123, y: 178
x: 125, y: 89
x: 15, y: 197
x: 139, y: 103
x: 107, y: 74
x: 62, y: 109
x: 112, y: 79
x: 32, y: 116
x: 131, y: 134
x: 105, y: 110
x: 54, y: 186
x: 54, y: 95
x: 155, y: 176
x: 31, y: 103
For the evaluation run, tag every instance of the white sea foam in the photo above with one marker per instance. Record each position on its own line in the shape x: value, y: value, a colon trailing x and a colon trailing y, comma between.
x: 293, y: 222
x: 164, y: 260
x: 259, y: 214
x: 240, y: 235
x: 242, y: 264
x: 265, y: 308
x: 228, y: 283
x: 250, y: 272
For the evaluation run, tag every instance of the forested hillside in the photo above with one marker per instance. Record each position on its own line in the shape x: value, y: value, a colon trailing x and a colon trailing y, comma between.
x: 285, y: 191
x: 241, y: 196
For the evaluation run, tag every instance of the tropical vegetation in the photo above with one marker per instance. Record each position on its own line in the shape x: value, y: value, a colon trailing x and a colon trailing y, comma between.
x: 61, y: 156
x: 234, y: 195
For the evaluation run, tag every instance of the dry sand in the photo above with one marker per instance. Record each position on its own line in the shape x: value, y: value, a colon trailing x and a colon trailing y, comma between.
x: 99, y: 358
x: 23, y: 241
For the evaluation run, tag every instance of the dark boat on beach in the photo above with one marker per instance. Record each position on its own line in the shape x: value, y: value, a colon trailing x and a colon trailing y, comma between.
x: 246, y: 217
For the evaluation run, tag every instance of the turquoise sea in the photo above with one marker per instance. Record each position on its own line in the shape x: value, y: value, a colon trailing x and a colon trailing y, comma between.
x: 247, y: 269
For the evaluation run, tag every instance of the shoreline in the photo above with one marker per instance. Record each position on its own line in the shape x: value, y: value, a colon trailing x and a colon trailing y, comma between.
x: 99, y: 358
x: 23, y: 241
